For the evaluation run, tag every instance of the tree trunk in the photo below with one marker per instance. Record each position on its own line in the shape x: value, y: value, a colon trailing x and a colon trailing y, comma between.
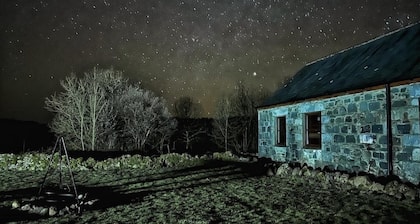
x: 226, y: 134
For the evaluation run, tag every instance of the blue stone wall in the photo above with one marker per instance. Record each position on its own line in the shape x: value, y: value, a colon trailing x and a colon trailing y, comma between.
x: 406, y: 131
x: 345, y: 119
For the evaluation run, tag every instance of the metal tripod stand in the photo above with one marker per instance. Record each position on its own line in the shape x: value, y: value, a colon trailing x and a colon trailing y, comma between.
x: 61, y: 148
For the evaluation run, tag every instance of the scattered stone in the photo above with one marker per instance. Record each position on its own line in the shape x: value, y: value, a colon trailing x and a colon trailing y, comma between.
x: 25, y: 207
x: 376, y: 187
x: 303, y: 170
x: 41, y: 210
x: 15, y: 204
x: 320, y: 175
x: 283, y: 169
x: 391, y: 188
x: 65, y: 210
x: 307, y: 173
x: 91, y: 202
x: 344, y: 178
x: 410, y: 194
x: 361, y: 181
x: 337, y: 175
x: 295, y: 171
x: 52, y: 211
x: 329, y: 177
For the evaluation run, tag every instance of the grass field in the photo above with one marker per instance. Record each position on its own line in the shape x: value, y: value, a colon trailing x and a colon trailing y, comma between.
x: 216, y: 192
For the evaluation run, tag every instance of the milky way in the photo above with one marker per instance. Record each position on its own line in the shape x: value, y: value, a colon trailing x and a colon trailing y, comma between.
x: 176, y: 48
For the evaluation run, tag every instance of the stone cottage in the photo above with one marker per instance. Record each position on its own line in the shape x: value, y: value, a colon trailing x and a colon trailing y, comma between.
x: 355, y: 111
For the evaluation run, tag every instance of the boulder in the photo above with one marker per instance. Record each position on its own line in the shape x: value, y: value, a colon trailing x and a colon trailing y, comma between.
x: 376, y: 187
x: 307, y: 173
x: 392, y: 188
x: 408, y: 192
x: 283, y: 169
x: 41, y: 210
x: 320, y: 175
x: 52, y: 211
x: 295, y: 171
x: 344, y: 178
x: 411, y: 194
x: 15, y: 204
x: 361, y: 181
x: 25, y: 207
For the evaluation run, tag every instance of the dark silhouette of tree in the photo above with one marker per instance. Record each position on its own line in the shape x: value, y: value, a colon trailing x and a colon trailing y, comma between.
x: 185, y: 107
x: 236, y: 120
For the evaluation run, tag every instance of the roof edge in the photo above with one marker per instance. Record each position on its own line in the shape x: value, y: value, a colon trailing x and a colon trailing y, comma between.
x: 361, y: 44
x: 393, y: 84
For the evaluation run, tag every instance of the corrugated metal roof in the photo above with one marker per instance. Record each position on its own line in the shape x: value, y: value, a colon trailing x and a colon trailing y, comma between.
x: 390, y: 58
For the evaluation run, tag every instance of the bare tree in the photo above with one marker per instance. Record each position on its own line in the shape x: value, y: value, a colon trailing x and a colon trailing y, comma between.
x: 190, y: 132
x: 185, y: 107
x: 221, y: 122
x: 144, y: 117
x: 84, y: 112
x: 164, y: 135
x: 236, y: 119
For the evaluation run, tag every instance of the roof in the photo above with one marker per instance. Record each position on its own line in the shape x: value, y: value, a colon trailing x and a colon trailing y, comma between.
x: 390, y: 58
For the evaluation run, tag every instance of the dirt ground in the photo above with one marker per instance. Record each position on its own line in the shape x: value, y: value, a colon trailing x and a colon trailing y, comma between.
x: 217, y: 192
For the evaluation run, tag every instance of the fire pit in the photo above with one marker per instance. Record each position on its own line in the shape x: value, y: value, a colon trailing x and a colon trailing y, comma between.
x: 56, y: 199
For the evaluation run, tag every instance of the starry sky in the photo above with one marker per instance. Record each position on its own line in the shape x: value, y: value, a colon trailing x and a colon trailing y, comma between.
x: 197, y: 48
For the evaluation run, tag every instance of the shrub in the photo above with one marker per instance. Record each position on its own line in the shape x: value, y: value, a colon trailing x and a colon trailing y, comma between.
x: 225, y: 156
x: 40, y: 161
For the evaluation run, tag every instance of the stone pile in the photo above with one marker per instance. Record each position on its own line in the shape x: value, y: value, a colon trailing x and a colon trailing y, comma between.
x: 32, y: 207
x: 393, y: 188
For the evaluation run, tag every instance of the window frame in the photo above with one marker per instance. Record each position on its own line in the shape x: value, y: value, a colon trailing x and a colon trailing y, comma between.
x: 281, y: 139
x: 315, y: 130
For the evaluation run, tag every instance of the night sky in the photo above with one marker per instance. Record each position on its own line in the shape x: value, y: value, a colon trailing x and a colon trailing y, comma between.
x: 178, y: 48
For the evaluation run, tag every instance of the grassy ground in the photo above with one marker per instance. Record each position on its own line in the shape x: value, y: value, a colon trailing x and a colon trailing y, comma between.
x: 217, y: 192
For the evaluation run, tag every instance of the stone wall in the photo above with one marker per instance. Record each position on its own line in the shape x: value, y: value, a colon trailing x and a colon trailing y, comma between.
x: 406, y: 131
x: 344, y: 121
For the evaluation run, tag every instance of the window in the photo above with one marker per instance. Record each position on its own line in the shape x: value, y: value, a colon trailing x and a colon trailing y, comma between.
x: 313, y: 130
x: 281, y: 131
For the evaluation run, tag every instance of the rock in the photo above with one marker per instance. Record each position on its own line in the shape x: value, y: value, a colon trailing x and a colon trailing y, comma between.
x: 410, y: 194
x: 303, y: 170
x: 40, y: 210
x: 283, y: 169
x: 361, y: 181
x: 320, y: 175
x: 81, y: 196
x: 91, y: 202
x: 391, y: 188
x: 344, y: 178
x: 329, y: 177
x: 337, y: 176
x: 295, y: 171
x: 15, y: 204
x: 307, y: 173
x: 65, y: 210
x: 25, y: 208
x: 52, y: 211
x: 376, y: 187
